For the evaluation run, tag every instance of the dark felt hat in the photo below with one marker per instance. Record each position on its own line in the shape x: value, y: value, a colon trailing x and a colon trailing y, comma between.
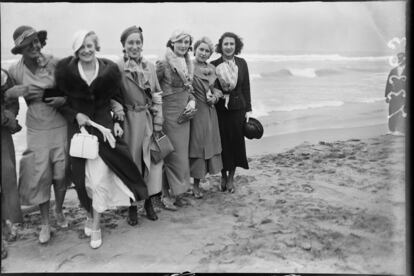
x: 24, y: 35
x: 253, y: 129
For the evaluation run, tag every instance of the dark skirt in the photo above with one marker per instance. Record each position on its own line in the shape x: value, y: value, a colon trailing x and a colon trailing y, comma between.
x: 232, y: 139
x: 10, y: 202
x: 396, y: 121
x: 119, y: 160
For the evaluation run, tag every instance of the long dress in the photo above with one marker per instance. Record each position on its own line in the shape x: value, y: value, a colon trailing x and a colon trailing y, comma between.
x: 10, y: 202
x: 94, y: 100
x: 395, y: 91
x: 45, y: 160
x: 139, y: 122
x: 175, y: 98
x: 205, y: 143
x: 231, y: 118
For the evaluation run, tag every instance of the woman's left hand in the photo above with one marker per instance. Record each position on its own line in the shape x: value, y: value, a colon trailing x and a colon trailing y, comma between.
x: 118, y: 131
x: 190, y: 105
x: 248, y: 115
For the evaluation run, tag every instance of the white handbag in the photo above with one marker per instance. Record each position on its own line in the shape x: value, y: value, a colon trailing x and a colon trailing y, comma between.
x: 84, y: 145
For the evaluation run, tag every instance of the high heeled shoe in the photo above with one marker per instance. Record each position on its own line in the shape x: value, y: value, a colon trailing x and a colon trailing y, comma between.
x: 223, y: 184
x: 88, y: 227
x: 132, y: 215
x: 96, y: 239
x: 149, y: 208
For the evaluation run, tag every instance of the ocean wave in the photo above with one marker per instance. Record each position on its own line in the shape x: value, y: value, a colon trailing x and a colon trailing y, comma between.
x: 298, y: 72
x: 263, y: 110
x: 334, y: 57
x: 370, y: 100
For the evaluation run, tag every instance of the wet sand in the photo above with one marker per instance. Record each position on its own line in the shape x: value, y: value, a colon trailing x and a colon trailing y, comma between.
x: 332, y: 205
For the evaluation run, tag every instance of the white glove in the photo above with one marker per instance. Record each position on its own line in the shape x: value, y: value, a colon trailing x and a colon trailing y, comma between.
x: 106, y: 133
x: 157, y: 98
x: 190, y: 105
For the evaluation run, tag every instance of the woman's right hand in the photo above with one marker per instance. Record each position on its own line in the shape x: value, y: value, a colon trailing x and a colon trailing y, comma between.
x: 82, y: 119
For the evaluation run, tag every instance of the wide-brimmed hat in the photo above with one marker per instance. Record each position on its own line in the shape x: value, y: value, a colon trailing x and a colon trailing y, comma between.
x: 24, y: 35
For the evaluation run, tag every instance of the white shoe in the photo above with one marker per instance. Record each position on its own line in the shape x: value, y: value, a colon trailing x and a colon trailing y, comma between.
x: 44, y: 235
x: 88, y: 227
x: 96, y: 239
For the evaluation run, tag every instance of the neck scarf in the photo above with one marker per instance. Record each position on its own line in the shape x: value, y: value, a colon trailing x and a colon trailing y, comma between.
x: 83, y: 75
x: 183, y: 66
x: 136, y: 68
x: 227, y: 73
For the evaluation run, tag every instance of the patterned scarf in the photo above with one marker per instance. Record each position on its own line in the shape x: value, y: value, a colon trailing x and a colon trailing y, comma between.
x: 227, y: 73
x: 137, y: 67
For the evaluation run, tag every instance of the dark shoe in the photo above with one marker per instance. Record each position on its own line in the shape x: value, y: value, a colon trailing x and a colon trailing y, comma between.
x: 132, y: 215
x: 230, y: 186
x: 223, y: 184
x: 180, y: 202
x: 3, y: 250
x: 149, y: 208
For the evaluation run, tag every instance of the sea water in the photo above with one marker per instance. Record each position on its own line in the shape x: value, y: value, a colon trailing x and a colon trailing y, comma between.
x: 296, y: 92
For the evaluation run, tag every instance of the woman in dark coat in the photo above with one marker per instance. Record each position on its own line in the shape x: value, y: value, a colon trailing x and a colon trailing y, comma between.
x: 395, y: 95
x: 112, y: 179
x: 234, y: 108
x: 10, y: 203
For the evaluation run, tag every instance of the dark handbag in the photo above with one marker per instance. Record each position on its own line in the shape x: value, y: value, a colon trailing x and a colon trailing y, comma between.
x: 163, y: 147
x: 186, y: 116
x: 51, y: 92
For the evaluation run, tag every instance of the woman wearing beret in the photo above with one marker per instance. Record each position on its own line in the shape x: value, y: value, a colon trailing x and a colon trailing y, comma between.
x: 112, y: 179
x: 143, y: 105
x: 234, y: 108
x: 10, y: 202
x: 44, y: 162
x: 205, y: 144
x: 175, y: 74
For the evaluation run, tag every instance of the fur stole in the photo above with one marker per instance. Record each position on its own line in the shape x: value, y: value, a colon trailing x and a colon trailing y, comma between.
x: 105, y: 86
x: 172, y: 60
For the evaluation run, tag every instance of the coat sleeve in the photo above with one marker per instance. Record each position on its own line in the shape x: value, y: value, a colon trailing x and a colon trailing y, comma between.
x: 160, y: 69
x: 66, y: 109
x: 246, y: 87
x: 388, y: 85
x: 158, y: 117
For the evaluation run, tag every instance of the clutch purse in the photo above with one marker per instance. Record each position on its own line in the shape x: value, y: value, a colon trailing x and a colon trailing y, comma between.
x: 186, y: 116
x: 163, y: 147
x: 84, y: 145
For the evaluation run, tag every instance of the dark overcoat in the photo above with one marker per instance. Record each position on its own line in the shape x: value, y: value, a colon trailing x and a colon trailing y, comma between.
x: 94, y: 101
x: 231, y: 119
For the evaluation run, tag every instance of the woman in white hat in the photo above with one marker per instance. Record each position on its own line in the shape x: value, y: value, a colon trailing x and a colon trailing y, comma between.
x: 112, y: 179
x: 44, y: 162
x: 175, y: 74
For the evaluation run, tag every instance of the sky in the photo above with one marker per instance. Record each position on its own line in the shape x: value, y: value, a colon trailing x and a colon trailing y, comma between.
x: 267, y: 27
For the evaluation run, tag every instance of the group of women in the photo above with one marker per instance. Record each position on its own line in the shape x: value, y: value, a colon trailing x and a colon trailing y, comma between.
x: 200, y: 106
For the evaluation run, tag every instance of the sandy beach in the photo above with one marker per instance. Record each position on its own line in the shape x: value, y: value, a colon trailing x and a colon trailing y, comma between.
x: 329, y: 201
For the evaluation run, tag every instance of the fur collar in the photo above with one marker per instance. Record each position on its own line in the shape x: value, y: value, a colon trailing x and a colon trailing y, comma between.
x: 172, y: 60
x: 106, y: 84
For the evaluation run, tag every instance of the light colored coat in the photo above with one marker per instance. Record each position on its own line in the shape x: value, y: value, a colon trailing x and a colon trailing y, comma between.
x: 139, y: 124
